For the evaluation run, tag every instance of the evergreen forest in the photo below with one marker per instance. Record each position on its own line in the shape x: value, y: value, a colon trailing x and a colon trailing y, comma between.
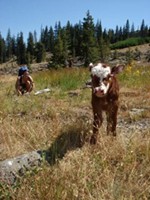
x: 85, y: 41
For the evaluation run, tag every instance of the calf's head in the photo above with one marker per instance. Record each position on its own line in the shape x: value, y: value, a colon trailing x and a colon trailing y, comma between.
x: 102, y: 78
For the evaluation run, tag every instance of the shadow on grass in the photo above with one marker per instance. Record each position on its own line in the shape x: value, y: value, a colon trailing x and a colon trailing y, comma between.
x: 69, y: 140
x: 13, y: 169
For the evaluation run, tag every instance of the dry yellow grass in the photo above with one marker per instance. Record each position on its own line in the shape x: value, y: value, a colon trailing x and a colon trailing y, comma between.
x: 112, y: 169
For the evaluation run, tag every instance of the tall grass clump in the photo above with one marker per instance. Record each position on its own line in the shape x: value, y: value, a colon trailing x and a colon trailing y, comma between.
x: 65, y: 79
x: 135, y: 76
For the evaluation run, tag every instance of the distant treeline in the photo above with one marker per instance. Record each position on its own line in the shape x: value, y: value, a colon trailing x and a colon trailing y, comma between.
x: 85, y: 40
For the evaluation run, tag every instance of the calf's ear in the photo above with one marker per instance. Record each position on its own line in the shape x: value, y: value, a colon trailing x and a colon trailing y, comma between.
x: 117, y: 69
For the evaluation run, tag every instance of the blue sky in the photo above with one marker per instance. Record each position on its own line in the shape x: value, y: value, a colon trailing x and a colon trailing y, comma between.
x: 29, y: 15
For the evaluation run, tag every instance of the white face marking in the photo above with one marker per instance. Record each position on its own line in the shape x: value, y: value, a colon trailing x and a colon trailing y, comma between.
x: 104, y: 87
x: 101, y: 90
x: 100, y: 71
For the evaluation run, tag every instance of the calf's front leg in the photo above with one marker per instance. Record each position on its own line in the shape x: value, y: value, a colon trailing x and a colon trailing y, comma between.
x: 96, y: 125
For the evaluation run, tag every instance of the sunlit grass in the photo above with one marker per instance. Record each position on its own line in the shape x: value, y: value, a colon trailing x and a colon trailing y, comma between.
x: 113, y: 169
x: 109, y: 170
x: 65, y: 79
x: 135, y: 76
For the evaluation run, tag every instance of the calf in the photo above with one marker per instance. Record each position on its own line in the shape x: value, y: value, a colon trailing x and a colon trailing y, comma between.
x: 105, y: 94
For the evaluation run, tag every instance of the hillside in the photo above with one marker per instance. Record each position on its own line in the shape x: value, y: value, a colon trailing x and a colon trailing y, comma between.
x: 11, y: 67
x: 139, y: 54
x: 144, y: 48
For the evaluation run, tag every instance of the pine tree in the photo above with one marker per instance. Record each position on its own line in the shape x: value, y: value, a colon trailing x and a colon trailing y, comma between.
x: 99, y: 31
x: 103, y: 42
x: 143, y: 29
x: 60, y: 52
x: 30, y: 48
x: 111, y: 35
x: 120, y: 34
x: 21, y: 50
x: 35, y: 37
x: 70, y: 39
x: 77, y: 40
x: 89, y: 45
x: 45, y: 38
x: 51, y: 40
x: 13, y: 46
x: 8, y: 45
x: 132, y: 33
x: 57, y: 30
x: 2, y: 50
x: 60, y: 49
x: 117, y: 34
x: 105, y: 47
x: 126, y: 30
x: 39, y: 52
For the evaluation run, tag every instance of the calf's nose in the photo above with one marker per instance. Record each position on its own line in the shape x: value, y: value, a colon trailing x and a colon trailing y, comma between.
x: 102, y: 91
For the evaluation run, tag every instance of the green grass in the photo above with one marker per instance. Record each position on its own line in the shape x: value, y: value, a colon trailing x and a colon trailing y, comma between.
x: 65, y: 79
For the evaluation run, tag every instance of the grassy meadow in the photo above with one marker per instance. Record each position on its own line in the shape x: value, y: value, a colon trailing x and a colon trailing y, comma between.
x: 113, y: 169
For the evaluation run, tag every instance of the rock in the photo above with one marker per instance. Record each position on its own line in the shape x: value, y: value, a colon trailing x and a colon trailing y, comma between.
x: 11, y: 169
x: 42, y: 91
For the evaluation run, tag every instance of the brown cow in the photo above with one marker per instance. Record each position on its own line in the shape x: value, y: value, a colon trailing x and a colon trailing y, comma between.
x: 105, y: 94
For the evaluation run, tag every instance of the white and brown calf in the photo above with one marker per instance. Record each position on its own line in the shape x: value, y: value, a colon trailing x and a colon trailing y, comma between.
x: 105, y: 94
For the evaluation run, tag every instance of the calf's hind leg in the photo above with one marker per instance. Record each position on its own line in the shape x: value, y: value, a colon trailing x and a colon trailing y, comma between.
x: 112, y: 120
